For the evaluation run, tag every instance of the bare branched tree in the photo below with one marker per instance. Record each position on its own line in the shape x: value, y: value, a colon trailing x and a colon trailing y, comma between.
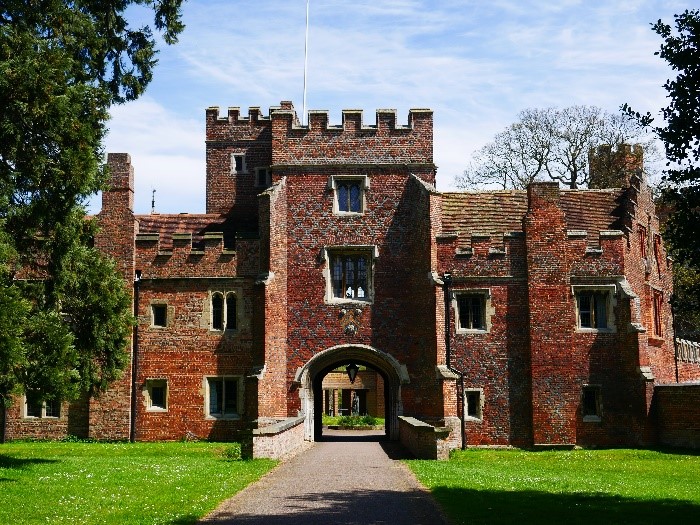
x: 551, y: 144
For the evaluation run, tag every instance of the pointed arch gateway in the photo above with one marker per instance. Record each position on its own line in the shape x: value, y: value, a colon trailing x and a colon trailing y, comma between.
x: 310, y: 376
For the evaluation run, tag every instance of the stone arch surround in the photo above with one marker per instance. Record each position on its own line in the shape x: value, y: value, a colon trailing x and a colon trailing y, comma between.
x: 393, y: 372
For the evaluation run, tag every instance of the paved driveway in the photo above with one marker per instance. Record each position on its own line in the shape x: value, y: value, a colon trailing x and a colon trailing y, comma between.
x: 351, y: 477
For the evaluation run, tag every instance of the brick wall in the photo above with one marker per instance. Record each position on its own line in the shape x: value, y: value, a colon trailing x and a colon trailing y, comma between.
x: 528, y: 254
x: 275, y: 441
x: 73, y: 421
x: 394, y: 223
x: 110, y: 412
x: 496, y: 360
x: 235, y: 194
x: 352, y: 143
x: 676, y: 411
x: 186, y: 351
x: 272, y: 288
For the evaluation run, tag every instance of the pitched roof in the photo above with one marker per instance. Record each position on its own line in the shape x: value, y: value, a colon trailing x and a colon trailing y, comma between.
x: 484, y: 213
x: 591, y: 210
x: 502, y: 211
x: 196, y: 224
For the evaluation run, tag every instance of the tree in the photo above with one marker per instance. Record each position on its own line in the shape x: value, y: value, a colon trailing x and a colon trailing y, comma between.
x: 64, y: 311
x: 680, y: 134
x: 549, y: 144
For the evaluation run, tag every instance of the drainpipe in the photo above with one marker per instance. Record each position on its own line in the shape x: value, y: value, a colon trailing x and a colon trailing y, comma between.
x: 134, y: 357
x: 446, y: 282
x: 675, y: 343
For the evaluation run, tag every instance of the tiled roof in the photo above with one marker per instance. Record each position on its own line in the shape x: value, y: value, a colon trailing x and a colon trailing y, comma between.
x: 487, y: 212
x: 502, y: 211
x: 196, y: 224
x: 591, y: 210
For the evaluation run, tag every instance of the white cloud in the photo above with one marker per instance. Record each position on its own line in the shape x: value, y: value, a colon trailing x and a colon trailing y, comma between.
x: 475, y: 63
x: 167, y: 153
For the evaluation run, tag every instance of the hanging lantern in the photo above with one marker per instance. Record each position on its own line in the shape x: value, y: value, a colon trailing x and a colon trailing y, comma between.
x: 352, y: 370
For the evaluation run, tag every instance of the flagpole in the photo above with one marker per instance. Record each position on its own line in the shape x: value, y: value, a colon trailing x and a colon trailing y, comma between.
x: 306, y: 61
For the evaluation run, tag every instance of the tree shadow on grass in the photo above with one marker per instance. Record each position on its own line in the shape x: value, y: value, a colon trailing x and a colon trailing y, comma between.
x: 11, y: 462
x: 522, y: 507
x: 351, y: 507
x: 190, y: 519
x: 677, y: 451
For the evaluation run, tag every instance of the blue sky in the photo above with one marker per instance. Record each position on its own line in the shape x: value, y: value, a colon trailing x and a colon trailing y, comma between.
x: 476, y: 64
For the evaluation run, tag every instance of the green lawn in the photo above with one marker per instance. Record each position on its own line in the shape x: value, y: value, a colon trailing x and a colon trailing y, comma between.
x: 119, y: 483
x: 353, y: 421
x: 568, y: 487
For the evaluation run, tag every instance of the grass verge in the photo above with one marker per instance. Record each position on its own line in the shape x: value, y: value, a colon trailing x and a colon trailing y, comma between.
x: 571, y: 487
x: 119, y: 483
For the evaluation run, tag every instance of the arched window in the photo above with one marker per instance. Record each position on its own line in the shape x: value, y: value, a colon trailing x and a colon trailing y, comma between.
x: 217, y: 311
x: 224, y: 311
x: 231, y: 311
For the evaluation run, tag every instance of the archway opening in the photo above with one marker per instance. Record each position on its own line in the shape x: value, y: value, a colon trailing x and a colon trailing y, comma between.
x: 350, y: 399
x: 310, y: 380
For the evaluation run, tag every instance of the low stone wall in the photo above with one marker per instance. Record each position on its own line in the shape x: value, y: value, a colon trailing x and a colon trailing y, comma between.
x: 275, y: 440
x: 676, y: 409
x: 423, y: 440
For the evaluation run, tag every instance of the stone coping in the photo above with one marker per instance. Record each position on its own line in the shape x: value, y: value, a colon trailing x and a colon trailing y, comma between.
x: 422, y: 426
x: 279, y: 427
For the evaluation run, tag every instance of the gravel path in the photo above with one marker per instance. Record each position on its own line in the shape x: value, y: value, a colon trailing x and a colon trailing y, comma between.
x: 351, y: 477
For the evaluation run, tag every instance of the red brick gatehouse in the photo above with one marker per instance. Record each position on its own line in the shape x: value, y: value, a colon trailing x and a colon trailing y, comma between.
x: 324, y: 245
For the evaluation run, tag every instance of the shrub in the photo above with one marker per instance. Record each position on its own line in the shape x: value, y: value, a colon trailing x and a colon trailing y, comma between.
x: 356, y: 421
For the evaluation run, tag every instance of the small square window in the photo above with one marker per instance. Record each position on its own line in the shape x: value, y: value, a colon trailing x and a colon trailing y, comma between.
x: 33, y: 409
x: 160, y: 314
x: 471, y: 311
x: 238, y: 163
x: 263, y: 177
x: 52, y: 408
x: 349, y: 194
x: 594, y: 309
x: 591, y: 403
x: 46, y: 409
x: 157, y: 394
x: 473, y: 404
x: 223, y: 397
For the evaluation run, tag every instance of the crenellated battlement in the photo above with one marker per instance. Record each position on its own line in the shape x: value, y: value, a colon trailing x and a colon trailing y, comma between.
x: 352, y: 142
x: 179, y: 256
x: 233, y: 115
x: 352, y: 119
